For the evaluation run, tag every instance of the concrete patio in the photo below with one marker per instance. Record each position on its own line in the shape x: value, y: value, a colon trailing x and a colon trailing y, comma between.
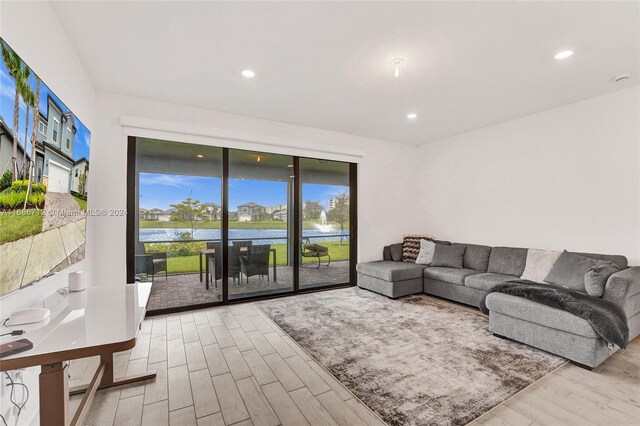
x: 186, y: 289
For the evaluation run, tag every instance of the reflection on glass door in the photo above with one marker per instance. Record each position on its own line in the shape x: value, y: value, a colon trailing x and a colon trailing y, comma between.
x: 325, y: 240
x: 260, y: 198
x: 179, y: 188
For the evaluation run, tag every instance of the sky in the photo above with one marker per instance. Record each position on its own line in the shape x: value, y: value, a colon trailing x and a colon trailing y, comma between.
x: 162, y: 190
x: 82, y: 140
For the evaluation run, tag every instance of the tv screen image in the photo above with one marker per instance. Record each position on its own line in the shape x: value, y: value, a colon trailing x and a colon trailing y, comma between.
x: 44, y: 177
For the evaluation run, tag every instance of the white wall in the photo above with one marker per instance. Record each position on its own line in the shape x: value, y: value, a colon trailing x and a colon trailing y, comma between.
x: 33, y: 31
x: 564, y: 178
x: 384, y: 176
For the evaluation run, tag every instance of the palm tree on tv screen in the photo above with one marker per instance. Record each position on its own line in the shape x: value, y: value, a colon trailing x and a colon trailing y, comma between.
x: 30, y: 100
x: 20, y: 75
x: 36, y: 121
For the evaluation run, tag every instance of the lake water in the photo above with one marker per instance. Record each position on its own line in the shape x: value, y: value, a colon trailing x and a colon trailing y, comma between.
x: 274, y: 236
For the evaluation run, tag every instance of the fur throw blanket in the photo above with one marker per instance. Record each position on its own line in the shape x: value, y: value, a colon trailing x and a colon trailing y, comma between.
x: 607, y: 319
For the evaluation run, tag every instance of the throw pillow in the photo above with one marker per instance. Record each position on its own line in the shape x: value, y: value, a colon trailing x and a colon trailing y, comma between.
x: 448, y: 256
x: 539, y: 264
x: 569, y: 271
x: 396, y: 252
x: 411, y: 246
x: 596, y: 278
x: 427, y: 248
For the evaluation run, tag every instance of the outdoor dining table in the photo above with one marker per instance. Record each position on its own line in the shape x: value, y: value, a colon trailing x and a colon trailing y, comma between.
x: 211, y: 253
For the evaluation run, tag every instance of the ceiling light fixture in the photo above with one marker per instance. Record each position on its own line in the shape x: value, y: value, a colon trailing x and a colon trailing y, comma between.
x: 564, y: 54
x: 200, y: 156
x: 258, y: 159
x: 412, y: 116
x: 248, y: 74
x: 397, y: 63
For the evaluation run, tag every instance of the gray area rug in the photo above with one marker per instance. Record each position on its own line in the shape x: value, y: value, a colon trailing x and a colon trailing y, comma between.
x: 414, y: 361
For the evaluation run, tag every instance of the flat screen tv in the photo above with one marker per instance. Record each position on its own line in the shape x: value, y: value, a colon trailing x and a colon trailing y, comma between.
x: 44, y: 176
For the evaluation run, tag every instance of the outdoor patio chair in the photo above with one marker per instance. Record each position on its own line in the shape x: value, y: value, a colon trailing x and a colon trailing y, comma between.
x: 150, y: 263
x: 215, y: 269
x: 234, y: 263
x: 256, y: 261
x: 246, y: 243
x: 307, y: 249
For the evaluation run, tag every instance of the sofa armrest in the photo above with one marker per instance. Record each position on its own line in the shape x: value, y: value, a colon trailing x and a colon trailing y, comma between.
x: 623, y: 289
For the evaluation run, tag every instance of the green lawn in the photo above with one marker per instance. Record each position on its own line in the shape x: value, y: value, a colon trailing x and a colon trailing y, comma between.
x: 190, y: 263
x: 215, y: 224
x: 82, y: 203
x: 14, y: 226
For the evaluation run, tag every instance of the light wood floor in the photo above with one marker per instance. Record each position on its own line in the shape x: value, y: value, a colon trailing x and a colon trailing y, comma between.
x: 220, y: 366
x: 571, y: 395
x: 234, y: 366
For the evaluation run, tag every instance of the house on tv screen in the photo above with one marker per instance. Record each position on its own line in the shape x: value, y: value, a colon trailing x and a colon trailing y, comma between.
x: 55, y: 164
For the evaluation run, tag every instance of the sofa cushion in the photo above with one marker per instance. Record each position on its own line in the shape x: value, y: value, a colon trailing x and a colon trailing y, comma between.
x: 619, y: 260
x: 475, y: 256
x: 569, y: 270
x: 411, y: 246
x: 518, y: 307
x: 449, y: 275
x: 487, y: 281
x: 448, y: 256
x: 395, y: 251
x: 390, y: 271
x: 507, y: 261
x: 386, y: 253
x: 427, y: 249
x: 596, y: 277
x: 539, y: 264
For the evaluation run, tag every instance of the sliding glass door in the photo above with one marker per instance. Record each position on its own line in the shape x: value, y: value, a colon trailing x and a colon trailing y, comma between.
x: 179, y: 190
x: 325, y: 210
x: 260, y: 197
x: 215, y: 225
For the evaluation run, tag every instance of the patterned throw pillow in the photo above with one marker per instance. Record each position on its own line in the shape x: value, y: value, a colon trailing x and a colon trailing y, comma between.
x: 411, y: 246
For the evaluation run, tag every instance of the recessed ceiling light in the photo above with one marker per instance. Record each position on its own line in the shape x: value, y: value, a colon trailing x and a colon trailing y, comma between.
x: 248, y: 74
x: 412, y: 116
x: 564, y: 54
x: 200, y: 156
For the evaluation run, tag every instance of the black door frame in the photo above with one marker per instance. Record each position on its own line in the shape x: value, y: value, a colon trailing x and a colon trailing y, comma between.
x: 132, y: 179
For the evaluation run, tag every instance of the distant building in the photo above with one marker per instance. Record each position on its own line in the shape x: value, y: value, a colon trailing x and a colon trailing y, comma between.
x: 80, y: 176
x: 165, y: 215
x: 280, y: 215
x: 275, y: 208
x: 251, y: 211
x: 6, y: 149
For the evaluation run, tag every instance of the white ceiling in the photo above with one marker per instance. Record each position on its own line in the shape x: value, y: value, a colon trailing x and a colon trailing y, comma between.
x: 327, y: 64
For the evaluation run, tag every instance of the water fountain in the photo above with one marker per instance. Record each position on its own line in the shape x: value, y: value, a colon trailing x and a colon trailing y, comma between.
x: 322, y: 226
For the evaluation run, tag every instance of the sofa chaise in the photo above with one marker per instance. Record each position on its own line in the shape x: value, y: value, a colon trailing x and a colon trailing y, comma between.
x: 532, y: 323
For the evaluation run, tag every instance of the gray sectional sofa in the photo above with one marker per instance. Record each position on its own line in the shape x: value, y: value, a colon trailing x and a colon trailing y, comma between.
x: 529, y: 322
